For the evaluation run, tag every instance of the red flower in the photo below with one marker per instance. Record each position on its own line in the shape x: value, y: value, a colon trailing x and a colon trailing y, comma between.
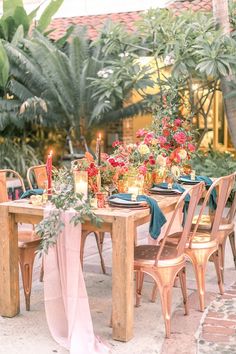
x: 113, y: 162
x: 166, y: 132
x: 152, y: 161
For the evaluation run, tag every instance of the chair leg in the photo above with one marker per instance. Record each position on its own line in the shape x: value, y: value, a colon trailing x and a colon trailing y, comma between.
x: 41, y: 272
x: 182, y: 279
x: 221, y: 257
x: 26, y: 260
x: 100, y: 244
x: 217, y: 261
x: 232, y: 244
x: 154, y: 293
x: 166, y: 297
x: 101, y: 238
x: 139, y: 286
x: 199, y: 260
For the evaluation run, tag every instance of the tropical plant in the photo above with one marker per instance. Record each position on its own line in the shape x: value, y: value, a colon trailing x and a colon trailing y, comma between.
x: 214, y: 163
x: 54, y: 88
x: 17, y: 155
x: 15, y: 15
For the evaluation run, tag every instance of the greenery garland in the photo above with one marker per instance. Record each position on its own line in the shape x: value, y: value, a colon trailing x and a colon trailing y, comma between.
x: 64, y: 198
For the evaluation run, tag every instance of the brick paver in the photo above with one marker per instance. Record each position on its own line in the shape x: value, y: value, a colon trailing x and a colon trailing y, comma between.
x: 217, y: 333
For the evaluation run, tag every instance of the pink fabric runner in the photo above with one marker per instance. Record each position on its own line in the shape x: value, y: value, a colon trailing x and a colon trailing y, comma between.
x: 66, y: 301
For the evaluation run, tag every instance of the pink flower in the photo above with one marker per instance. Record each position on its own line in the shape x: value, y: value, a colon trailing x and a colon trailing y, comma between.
x: 165, y: 120
x: 191, y: 147
x: 177, y: 122
x: 162, y: 139
x: 142, y: 169
x: 148, y: 138
x: 104, y: 156
x: 140, y: 133
x: 180, y: 137
x: 116, y: 143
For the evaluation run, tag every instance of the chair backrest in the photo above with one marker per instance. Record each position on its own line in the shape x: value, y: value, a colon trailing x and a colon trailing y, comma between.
x: 3, y: 183
x: 224, y: 187
x: 37, y: 174
x: 195, y: 193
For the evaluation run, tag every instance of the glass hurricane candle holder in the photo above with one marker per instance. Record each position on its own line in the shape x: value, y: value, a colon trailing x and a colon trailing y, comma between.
x: 81, y: 183
x: 134, y: 186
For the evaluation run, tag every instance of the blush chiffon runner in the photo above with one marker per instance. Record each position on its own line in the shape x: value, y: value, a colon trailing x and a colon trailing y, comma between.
x: 66, y: 301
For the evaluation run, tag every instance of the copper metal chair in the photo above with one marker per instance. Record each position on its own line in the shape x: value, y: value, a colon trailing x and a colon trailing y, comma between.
x: 226, y: 230
x: 37, y: 174
x: 203, y: 245
x: 27, y: 240
x: 164, y: 263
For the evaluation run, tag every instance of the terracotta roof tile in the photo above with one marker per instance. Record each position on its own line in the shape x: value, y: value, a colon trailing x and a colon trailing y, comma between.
x: 95, y: 23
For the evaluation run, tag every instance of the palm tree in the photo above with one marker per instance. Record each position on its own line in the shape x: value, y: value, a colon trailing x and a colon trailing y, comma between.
x: 221, y: 15
x: 50, y: 85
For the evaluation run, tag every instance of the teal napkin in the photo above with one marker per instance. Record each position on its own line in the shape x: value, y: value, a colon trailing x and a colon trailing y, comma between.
x: 30, y: 192
x: 157, y: 217
x: 208, y: 182
x: 180, y: 189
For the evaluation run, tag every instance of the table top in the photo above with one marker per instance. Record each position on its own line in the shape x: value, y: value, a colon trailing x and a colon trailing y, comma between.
x: 166, y: 204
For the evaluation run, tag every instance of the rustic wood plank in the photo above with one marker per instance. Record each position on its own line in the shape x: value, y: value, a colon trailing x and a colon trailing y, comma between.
x: 9, y: 270
x: 123, y: 232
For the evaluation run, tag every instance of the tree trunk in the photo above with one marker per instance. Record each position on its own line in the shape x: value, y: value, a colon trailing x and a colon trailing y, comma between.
x: 221, y: 15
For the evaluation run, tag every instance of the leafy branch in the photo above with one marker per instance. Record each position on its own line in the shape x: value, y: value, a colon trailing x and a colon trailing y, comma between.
x: 63, y: 199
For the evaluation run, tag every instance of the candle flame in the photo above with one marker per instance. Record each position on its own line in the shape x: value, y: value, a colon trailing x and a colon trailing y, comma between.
x: 100, y: 136
x: 50, y: 152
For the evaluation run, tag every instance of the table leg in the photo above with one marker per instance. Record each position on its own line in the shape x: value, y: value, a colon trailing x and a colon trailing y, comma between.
x: 122, y: 278
x: 9, y: 269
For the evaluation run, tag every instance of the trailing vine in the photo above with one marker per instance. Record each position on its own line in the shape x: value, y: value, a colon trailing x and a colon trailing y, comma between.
x: 64, y: 198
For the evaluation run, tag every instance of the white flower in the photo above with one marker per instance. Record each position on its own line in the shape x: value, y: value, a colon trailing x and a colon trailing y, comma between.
x: 161, y: 160
x: 109, y: 71
x: 183, y: 154
x: 105, y: 75
x: 169, y: 60
x: 143, y: 149
x: 100, y: 73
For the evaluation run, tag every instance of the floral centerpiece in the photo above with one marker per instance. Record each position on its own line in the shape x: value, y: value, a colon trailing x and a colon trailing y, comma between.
x: 164, y: 150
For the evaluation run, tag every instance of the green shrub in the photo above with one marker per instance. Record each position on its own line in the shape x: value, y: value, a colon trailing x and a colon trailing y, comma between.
x: 18, y: 156
x: 214, y: 163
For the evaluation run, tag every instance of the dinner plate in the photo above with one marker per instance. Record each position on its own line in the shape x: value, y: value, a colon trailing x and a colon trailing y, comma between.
x: 157, y: 190
x: 117, y: 202
x: 188, y: 181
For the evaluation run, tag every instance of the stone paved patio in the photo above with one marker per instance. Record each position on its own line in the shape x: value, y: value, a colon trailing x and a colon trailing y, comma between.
x: 28, y: 333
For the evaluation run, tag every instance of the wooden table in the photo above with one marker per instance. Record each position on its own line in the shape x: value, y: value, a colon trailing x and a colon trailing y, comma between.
x: 121, y: 223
